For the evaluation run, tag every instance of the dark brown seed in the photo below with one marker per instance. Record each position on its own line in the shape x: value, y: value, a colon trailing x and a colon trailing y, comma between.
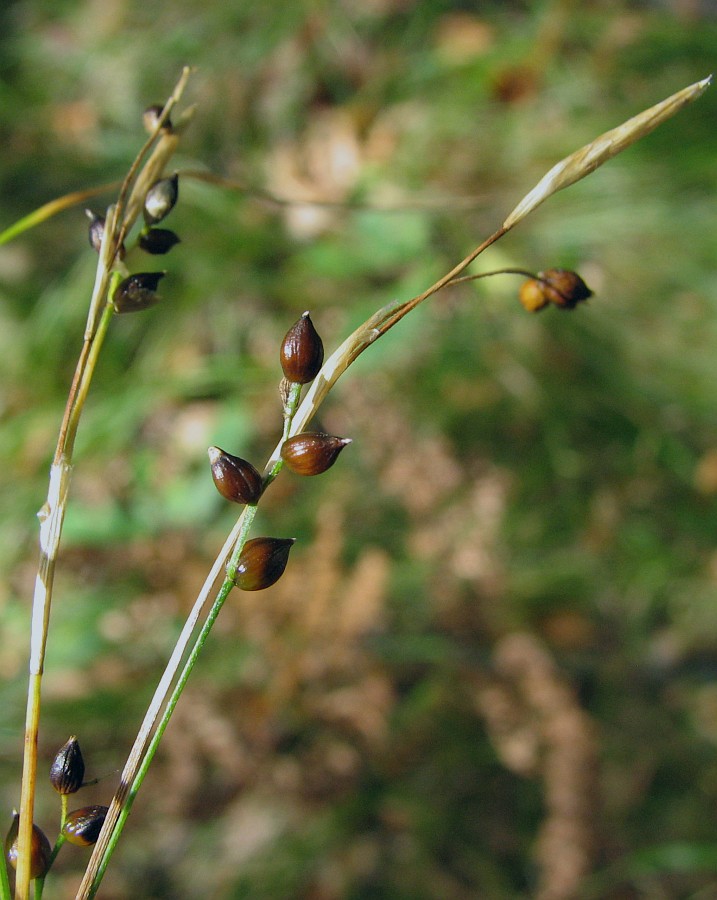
x: 235, y: 478
x: 160, y: 199
x: 137, y: 292
x: 262, y: 562
x: 150, y: 117
x: 302, y: 351
x: 68, y: 768
x: 312, y: 453
x: 158, y: 241
x: 564, y: 288
x: 82, y: 826
x: 40, y: 849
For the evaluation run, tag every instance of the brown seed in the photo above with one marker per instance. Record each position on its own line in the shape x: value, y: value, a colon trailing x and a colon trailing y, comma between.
x: 235, y: 478
x: 40, y: 849
x: 564, y: 288
x: 82, y: 826
x: 302, y: 351
x: 311, y: 453
x: 68, y: 768
x: 137, y: 292
x: 262, y: 562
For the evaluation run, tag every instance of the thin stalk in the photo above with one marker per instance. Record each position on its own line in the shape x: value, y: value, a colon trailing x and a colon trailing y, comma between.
x: 40, y: 882
x: 247, y: 520
x: 141, y: 742
x: 365, y: 335
x: 51, y: 519
x: 144, y: 748
x: 524, y: 272
x: 118, y: 222
x: 48, y: 210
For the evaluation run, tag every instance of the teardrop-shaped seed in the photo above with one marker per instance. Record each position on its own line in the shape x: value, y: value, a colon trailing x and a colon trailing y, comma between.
x: 302, y: 351
x: 82, y: 826
x: 262, y: 562
x: 564, y: 287
x: 161, y: 199
x: 235, y: 478
x: 311, y: 453
x: 40, y: 849
x: 68, y: 768
x: 96, y: 230
x: 137, y: 292
x: 158, y: 241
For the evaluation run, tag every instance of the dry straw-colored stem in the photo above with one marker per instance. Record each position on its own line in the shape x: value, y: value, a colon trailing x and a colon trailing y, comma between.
x: 570, y: 170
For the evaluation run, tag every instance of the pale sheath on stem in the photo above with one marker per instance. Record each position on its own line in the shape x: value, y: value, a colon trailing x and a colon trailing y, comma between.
x: 119, y: 221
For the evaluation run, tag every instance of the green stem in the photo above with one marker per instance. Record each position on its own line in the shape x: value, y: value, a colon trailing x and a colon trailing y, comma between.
x: 246, y: 520
x: 523, y: 272
x: 199, y: 643
x: 51, y: 521
x: 5, y: 893
x: 40, y: 882
x: 118, y: 222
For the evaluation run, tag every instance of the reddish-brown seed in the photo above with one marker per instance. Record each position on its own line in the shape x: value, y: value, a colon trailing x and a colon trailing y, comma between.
x: 68, y: 768
x: 262, y: 562
x: 82, y: 826
x: 40, y: 849
x: 564, y: 288
x: 302, y: 351
x: 311, y: 453
x: 235, y: 478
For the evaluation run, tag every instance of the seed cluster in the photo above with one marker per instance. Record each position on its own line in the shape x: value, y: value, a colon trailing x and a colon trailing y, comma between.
x: 81, y: 827
x: 138, y: 291
x: 562, y: 287
x: 262, y: 560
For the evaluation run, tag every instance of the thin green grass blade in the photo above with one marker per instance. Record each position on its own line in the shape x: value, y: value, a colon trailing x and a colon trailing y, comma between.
x: 48, y: 210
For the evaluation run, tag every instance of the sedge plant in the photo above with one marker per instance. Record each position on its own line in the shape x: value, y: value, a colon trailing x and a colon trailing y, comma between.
x: 244, y: 562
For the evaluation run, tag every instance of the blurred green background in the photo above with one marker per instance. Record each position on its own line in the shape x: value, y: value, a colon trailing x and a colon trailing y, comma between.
x: 491, y: 667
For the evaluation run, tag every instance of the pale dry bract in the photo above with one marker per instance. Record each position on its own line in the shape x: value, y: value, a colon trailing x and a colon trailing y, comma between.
x: 584, y: 161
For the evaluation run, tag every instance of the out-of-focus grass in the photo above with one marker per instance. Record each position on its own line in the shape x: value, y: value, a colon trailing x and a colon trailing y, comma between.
x: 553, y: 473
